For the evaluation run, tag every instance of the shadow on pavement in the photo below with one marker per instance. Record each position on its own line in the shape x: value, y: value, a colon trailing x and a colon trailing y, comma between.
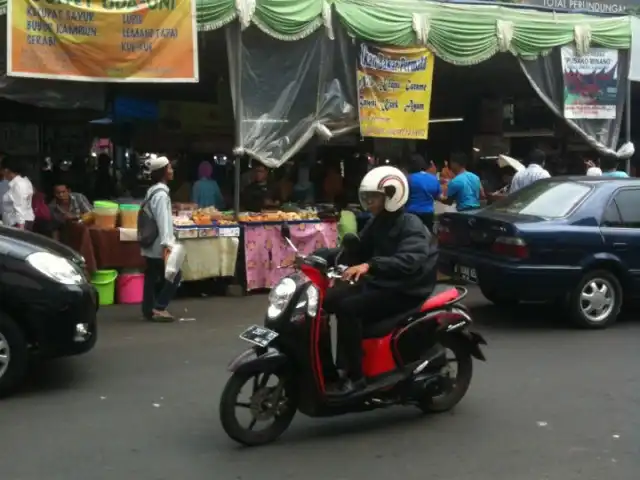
x: 533, y: 316
x: 50, y: 376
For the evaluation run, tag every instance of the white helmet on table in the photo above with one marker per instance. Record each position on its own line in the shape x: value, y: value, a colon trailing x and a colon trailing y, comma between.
x: 390, y: 182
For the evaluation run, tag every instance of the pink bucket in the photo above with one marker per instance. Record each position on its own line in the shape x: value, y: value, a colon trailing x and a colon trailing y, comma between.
x: 130, y: 287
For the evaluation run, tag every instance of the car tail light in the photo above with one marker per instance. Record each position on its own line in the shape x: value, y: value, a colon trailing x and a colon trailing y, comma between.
x: 444, y: 235
x: 510, y: 247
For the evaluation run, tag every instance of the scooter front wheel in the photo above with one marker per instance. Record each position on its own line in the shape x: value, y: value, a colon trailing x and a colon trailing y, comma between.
x: 268, y: 402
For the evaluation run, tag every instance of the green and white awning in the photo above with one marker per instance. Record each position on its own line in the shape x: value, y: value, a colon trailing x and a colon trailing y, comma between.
x: 461, y: 34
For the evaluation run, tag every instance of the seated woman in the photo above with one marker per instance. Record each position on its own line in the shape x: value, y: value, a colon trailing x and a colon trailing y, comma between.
x: 67, y: 206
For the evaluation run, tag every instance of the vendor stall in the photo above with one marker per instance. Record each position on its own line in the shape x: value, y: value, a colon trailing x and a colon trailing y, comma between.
x: 265, y: 250
x: 102, y: 248
x: 212, y: 250
x: 212, y: 239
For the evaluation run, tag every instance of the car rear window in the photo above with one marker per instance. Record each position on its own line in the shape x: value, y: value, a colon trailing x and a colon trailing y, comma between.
x: 547, y: 199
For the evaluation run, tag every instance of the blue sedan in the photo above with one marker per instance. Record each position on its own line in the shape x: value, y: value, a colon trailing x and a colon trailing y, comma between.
x: 574, y: 240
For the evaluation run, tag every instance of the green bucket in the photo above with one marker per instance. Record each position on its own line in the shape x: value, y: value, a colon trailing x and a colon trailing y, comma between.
x: 105, y: 283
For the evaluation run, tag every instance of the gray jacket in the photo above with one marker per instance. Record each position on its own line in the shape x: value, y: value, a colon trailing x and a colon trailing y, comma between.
x: 160, y: 209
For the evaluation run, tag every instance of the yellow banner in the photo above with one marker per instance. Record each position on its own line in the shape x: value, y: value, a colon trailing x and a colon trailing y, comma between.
x: 103, y: 40
x: 394, y: 91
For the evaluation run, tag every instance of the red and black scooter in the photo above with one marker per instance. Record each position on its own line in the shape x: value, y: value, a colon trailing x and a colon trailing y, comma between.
x: 290, y: 366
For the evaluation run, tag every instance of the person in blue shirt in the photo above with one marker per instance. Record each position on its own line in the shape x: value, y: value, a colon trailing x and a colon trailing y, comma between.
x: 609, y: 167
x: 206, y: 192
x: 465, y: 189
x: 424, y: 189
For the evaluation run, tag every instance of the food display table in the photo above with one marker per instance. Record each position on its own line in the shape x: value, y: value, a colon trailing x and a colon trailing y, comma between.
x: 265, y: 249
x: 102, y: 248
x: 212, y: 251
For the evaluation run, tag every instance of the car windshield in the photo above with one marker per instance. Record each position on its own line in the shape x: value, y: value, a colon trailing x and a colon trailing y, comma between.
x: 549, y: 199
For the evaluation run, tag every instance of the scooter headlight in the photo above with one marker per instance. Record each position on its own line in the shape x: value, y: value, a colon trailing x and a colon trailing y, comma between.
x: 280, y: 297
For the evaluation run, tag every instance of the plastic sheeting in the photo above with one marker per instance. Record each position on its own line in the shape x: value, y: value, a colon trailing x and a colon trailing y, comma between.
x: 546, y: 78
x: 285, y: 93
x: 48, y: 93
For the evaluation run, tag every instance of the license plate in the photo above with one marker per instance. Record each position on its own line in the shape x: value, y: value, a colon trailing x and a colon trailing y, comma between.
x: 259, y: 336
x: 466, y: 273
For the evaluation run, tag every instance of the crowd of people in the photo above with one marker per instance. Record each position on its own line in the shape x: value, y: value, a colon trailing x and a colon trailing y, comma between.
x: 456, y: 185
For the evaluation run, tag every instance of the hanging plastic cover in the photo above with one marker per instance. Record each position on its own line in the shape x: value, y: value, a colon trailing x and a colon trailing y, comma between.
x: 48, y: 93
x: 285, y: 93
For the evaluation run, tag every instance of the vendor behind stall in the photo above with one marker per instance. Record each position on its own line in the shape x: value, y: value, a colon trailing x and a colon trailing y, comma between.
x: 258, y: 194
x: 67, y: 206
x: 206, y: 192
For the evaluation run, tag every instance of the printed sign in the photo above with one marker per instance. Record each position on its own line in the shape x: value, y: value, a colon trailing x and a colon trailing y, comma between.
x: 229, y: 232
x: 103, y: 40
x: 609, y: 7
x: 394, y: 91
x: 590, y: 83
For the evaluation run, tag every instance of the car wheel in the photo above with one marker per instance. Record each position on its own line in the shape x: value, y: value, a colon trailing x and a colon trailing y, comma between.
x: 13, y: 355
x: 596, y: 300
x: 498, y: 298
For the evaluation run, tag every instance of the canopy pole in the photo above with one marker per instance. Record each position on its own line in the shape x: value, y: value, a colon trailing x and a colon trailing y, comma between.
x: 234, y: 54
x: 627, y: 109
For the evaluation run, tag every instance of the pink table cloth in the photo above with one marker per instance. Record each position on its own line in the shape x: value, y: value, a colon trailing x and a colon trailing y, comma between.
x: 265, y: 249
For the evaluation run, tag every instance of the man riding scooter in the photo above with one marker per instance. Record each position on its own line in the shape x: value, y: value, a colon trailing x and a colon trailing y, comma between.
x: 395, y: 261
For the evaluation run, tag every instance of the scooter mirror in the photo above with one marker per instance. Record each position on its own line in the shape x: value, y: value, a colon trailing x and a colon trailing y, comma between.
x: 351, y: 242
x: 285, y: 232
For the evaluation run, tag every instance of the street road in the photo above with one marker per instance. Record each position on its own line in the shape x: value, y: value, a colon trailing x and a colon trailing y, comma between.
x: 552, y: 403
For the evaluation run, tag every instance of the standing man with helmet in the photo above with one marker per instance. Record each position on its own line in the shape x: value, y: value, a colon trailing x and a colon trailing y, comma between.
x: 395, y: 263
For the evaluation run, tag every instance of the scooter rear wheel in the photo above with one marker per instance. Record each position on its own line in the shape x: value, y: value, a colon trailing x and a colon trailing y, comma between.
x: 262, y: 404
x: 457, y: 387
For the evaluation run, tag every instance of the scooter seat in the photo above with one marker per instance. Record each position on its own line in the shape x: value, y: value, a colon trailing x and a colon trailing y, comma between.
x: 442, y: 294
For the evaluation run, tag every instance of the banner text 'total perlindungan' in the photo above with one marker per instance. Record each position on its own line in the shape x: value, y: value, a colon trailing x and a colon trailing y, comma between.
x: 618, y: 7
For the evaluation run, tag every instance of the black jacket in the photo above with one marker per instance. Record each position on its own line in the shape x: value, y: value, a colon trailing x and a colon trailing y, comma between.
x: 400, y: 252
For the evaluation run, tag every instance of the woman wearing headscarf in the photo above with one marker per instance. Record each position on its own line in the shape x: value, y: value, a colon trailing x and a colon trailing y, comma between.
x: 206, y: 192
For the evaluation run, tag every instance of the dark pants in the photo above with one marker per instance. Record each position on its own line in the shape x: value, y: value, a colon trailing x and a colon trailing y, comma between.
x: 358, y: 305
x: 158, y: 292
x: 427, y: 219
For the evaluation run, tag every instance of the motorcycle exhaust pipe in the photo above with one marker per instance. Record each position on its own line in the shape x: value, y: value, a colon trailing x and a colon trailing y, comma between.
x: 438, y: 354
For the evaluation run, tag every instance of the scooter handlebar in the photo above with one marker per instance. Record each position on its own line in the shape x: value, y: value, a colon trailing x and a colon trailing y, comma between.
x: 336, y: 273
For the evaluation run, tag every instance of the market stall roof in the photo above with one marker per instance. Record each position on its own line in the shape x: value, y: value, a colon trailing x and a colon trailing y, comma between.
x: 460, y: 34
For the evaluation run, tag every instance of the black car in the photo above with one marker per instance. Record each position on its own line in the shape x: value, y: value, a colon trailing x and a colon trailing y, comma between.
x: 47, y: 305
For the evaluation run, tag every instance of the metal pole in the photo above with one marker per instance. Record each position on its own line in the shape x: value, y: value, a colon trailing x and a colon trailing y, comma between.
x: 628, y: 122
x: 234, y: 44
x: 236, y: 185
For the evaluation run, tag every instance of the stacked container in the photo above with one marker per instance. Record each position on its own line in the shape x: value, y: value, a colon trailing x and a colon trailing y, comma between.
x: 129, y: 215
x: 105, y: 213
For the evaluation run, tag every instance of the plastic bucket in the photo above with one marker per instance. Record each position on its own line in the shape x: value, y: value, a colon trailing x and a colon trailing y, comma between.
x: 130, y: 288
x: 105, y: 283
x: 105, y: 204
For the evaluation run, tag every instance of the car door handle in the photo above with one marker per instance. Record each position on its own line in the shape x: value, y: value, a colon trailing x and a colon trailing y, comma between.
x: 620, y: 246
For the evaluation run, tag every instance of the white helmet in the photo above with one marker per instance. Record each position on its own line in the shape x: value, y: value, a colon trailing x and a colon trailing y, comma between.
x: 389, y: 181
